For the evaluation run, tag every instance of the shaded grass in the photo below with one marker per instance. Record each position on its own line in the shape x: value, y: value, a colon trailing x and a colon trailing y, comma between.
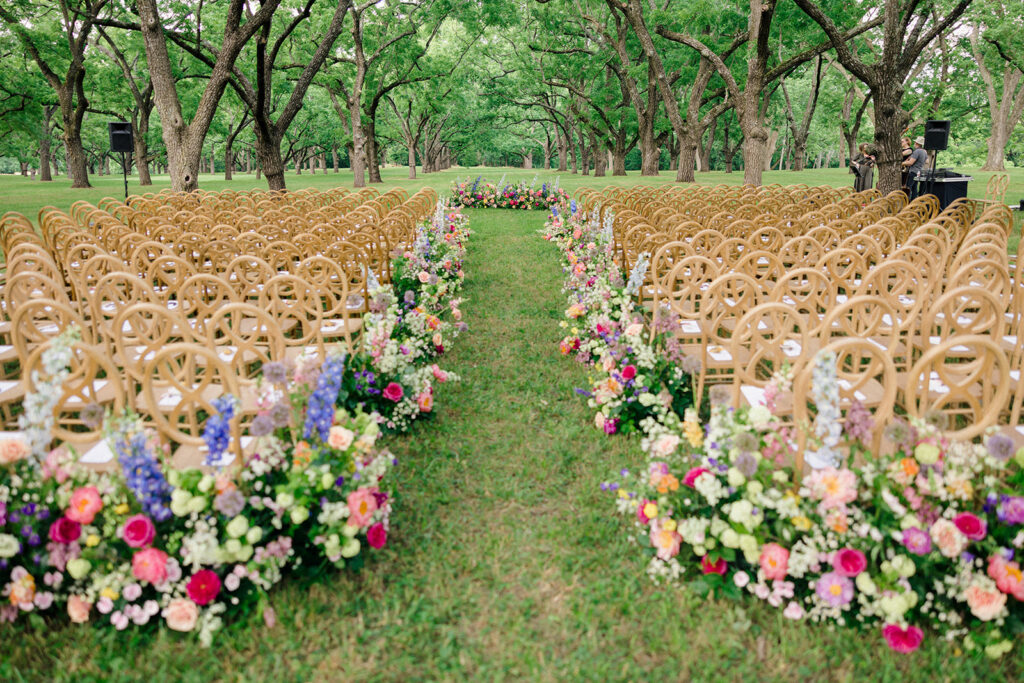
x: 506, y: 561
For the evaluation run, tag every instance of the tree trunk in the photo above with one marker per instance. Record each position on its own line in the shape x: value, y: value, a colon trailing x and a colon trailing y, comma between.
x: 78, y: 167
x: 44, y: 159
x: 687, y: 159
x: 142, y: 150
x: 528, y: 159
x: 618, y: 153
x: 546, y: 151
x: 268, y: 155
x: 229, y: 162
x: 334, y: 159
x: 650, y: 153
x: 600, y: 158
x: 890, y: 121
x: 704, y: 151
x: 995, y: 159
x: 563, y: 150
x: 357, y: 160
x: 372, y: 159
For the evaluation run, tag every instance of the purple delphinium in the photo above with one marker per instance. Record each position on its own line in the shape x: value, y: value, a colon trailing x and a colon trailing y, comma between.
x: 143, y: 476
x: 320, y: 412
x: 217, y: 432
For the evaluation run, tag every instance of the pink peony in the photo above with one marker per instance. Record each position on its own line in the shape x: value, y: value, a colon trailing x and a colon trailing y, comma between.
x: 834, y: 488
x: 78, y: 609
x: 377, y: 536
x: 985, y: 603
x: 774, y: 561
x: 439, y: 374
x: 903, y: 640
x: 425, y: 401
x: 361, y: 505
x: 917, y: 541
x: 718, y: 567
x: 1007, y: 575
x: 138, y: 531
x: 970, y: 526
x: 203, y: 587
x: 950, y: 540
x: 849, y: 562
x: 665, y: 541
x: 181, y: 615
x: 692, y: 475
x: 150, y: 565
x: 394, y: 392
x: 85, y: 503
x: 65, y: 530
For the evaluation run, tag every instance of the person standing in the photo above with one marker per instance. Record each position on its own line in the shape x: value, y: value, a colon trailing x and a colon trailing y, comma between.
x: 915, y: 165
x: 863, y: 166
x: 906, y: 150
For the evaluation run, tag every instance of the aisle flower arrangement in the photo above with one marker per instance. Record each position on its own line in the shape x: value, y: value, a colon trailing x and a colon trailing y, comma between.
x: 926, y: 539
x: 638, y: 377
x: 147, y: 545
x: 501, y: 195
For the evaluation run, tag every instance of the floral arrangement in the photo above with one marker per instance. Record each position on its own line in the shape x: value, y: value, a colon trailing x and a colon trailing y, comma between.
x: 147, y: 544
x: 482, y: 194
x: 639, y: 378
x: 926, y: 537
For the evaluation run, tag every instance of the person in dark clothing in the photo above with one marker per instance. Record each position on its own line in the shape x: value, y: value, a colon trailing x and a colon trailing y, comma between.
x: 906, y: 150
x: 863, y: 166
x: 915, y: 165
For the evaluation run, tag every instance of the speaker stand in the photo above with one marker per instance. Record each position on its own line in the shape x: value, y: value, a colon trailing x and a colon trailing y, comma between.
x: 124, y: 170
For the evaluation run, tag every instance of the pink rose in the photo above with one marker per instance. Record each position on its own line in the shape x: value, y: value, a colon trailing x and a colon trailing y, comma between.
x: 985, y: 603
x: 361, y: 506
x: 774, y: 561
x: 65, y: 530
x: 203, y: 587
x: 150, y: 565
x: 138, y: 531
x: 78, y: 609
x: 1007, y: 575
x: 970, y: 526
x: 13, y: 450
x: 424, y: 276
x: 849, y: 562
x: 628, y: 372
x: 903, y: 640
x: 181, y: 615
x: 718, y: 567
x: 394, y: 392
x: 948, y: 538
x: 692, y: 475
x: 377, y: 536
x: 439, y: 374
x: 85, y: 503
x: 340, y: 438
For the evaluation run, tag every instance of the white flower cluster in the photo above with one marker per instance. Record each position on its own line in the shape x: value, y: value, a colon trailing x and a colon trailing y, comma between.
x: 37, y: 420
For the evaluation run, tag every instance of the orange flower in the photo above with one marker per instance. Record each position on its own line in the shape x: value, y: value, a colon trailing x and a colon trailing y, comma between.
x: 303, y: 453
x: 910, y: 467
x: 668, y: 482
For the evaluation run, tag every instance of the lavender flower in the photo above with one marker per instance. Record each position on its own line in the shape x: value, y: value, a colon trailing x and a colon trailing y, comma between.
x: 320, y: 412
x: 143, y: 476
x: 275, y: 372
x: 92, y: 415
x: 281, y: 414
x: 262, y: 425
x: 230, y: 503
x: 746, y: 464
x: 1000, y: 447
x: 859, y: 423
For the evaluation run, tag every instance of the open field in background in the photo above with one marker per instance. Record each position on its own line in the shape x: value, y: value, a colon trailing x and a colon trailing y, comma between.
x: 27, y: 196
x: 505, y: 561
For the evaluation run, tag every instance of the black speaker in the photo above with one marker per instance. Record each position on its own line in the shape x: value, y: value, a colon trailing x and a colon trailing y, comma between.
x: 936, y: 135
x: 120, y: 136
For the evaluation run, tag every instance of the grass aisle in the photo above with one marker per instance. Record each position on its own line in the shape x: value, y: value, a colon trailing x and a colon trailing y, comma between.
x: 505, y: 561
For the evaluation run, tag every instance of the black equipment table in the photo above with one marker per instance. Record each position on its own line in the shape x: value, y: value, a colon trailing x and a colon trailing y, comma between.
x: 944, y: 183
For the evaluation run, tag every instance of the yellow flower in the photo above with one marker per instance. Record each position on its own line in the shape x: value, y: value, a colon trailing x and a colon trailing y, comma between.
x: 669, y: 525
x: 109, y: 592
x: 693, y: 433
x: 650, y: 510
x: 802, y: 523
x: 92, y: 540
x: 122, y: 509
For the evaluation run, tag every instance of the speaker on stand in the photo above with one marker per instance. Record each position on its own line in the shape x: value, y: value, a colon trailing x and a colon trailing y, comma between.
x: 936, y: 138
x: 121, y: 140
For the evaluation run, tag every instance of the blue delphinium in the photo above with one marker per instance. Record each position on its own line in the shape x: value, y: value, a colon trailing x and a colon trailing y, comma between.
x: 143, y: 475
x: 217, y: 432
x: 320, y: 413
x: 572, y: 206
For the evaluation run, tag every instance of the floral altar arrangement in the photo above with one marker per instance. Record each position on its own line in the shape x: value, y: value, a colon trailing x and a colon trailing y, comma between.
x: 639, y: 378
x: 923, y: 538
x: 485, y: 195
x: 147, y: 544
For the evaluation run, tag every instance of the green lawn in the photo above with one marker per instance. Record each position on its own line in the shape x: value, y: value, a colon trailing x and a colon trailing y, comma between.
x: 506, y: 560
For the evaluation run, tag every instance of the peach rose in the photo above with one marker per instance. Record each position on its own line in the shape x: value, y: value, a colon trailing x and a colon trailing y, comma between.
x: 150, y: 565
x: 665, y: 445
x: 13, y: 450
x: 425, y: 402
x: 985, y: 603
x: 424, y: 276
x: 361, y: 505
x: 181, y: 615
x: 340, y: 438
x: 948, y: 538
x: 78, y: 609
x: 774, y: 561
x: 666, y: 541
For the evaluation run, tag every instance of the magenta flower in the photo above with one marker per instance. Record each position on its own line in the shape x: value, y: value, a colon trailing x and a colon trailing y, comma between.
x: 903, y: 640
x: 970, y: 525
x: 917, y: 541
x: 849, y: 562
